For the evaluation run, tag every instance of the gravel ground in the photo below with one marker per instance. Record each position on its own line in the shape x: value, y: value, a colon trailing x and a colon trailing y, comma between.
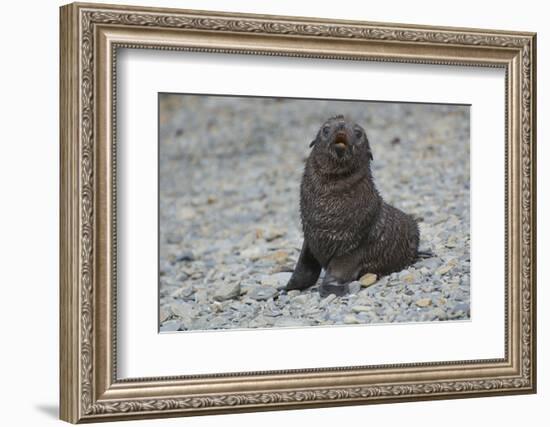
x: 230, y: 233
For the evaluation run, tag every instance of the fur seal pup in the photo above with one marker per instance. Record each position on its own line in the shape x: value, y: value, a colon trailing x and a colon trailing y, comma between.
x: 348, y: 229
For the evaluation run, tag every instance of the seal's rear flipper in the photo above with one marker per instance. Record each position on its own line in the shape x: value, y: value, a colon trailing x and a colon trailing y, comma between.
x: 330, y: 285
x: 424, y: 254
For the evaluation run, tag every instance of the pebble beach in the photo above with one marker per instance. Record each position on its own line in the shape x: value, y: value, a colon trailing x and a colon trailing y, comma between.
x: 230, y: 233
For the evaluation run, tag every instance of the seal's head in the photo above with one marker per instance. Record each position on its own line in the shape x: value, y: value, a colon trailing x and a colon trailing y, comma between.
x: 341, y: 146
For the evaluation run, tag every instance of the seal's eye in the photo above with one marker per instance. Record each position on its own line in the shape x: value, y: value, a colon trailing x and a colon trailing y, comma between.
x: 358, y: 133
x: 326, y: 130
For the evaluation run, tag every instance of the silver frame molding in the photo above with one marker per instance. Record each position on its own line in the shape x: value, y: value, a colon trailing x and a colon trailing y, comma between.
x: 90, y: 37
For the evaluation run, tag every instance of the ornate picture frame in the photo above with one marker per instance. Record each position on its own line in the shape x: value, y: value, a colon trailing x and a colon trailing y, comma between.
x: 90, y: 37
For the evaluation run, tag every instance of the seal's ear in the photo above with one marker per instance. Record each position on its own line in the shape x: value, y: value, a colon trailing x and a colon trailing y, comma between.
x: 312, y: 143
x: 369, y: 150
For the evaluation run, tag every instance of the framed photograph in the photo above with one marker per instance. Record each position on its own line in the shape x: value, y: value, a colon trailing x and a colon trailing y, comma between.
x: 266, y: 212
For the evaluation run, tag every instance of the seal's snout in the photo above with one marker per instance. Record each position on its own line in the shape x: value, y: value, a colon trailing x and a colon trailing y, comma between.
x: 341, y: 137
x: 340, y: 142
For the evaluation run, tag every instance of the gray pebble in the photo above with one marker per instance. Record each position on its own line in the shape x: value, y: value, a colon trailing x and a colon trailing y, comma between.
x: 326, y: 301
x: 181, y: 308
x: 430, y: 263
x: 261, y: 293
x: 354, y: 287
x: 227, y: 290
x: 463, y: 307
x: 170, y: 326
x: 165, y: 313
x: 350, y: 319
x: 185, y: 256
x: 300, y: 299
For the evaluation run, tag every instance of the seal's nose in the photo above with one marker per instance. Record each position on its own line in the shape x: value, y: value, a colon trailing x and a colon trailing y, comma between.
x: 341, y: 125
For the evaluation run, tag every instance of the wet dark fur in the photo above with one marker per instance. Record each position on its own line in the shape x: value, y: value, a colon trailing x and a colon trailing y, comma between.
x: 348, y: 229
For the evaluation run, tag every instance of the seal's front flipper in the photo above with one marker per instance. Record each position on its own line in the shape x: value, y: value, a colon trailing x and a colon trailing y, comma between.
x: 330, y: 285
x: 306, y: 272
